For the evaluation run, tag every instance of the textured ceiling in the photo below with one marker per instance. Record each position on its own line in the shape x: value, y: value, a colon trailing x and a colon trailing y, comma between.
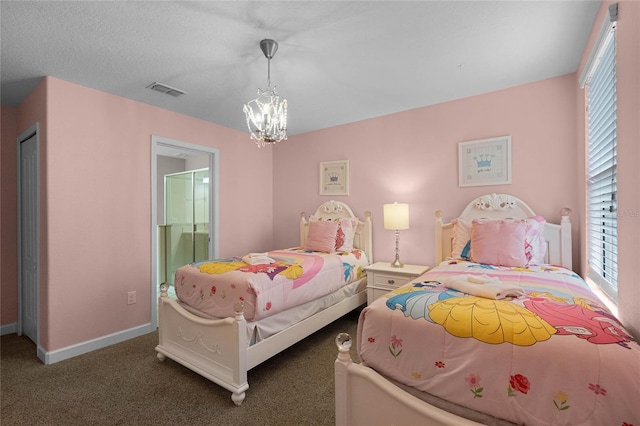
x: 338, y: 61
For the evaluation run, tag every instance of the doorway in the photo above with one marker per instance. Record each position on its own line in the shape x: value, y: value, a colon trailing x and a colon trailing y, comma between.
x: 29, y: 234
x: 172, y: 157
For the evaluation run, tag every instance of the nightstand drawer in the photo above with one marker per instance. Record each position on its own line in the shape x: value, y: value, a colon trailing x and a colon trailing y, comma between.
x: 382, y: 277
x: 390, y: 281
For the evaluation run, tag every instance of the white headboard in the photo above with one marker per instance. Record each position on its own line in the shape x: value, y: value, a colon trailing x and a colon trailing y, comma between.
x: 504, y: 206
x: 332, y: 210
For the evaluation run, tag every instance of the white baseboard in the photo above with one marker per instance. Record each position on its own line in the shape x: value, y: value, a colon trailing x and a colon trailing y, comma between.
x: 52, y: 357
x: 8, y: 328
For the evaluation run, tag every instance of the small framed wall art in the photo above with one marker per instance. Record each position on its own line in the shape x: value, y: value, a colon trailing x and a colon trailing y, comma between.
x: 334, y: 177
x: 485, y: 162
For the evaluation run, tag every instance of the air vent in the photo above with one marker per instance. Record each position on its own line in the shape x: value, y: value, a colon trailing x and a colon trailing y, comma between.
x: 163, y: 88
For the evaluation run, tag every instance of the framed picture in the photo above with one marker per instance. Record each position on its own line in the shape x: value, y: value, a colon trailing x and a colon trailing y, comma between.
x: 334, y: 178
x: 485, y: 162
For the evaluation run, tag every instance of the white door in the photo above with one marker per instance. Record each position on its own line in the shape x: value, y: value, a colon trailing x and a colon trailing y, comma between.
x: 29, y: 237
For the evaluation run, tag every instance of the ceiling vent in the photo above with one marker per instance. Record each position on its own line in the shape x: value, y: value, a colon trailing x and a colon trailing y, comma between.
x: 163, y: 88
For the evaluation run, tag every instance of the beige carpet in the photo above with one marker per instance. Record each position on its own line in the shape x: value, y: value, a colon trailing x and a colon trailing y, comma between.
x: 125, y: 384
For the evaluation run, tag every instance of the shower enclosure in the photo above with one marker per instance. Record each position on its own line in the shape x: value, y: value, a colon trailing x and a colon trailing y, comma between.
x: 184, y: 238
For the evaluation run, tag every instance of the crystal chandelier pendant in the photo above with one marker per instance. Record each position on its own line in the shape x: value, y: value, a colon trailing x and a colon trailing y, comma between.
x: 267, y: 114
x: 267, y: 117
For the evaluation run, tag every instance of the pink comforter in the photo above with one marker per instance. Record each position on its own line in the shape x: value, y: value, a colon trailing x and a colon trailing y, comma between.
x: 297, y: 276
x: 555, y: 356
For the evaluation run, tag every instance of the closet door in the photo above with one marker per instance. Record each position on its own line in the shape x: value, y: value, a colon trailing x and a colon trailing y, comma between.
x: 29, y: 237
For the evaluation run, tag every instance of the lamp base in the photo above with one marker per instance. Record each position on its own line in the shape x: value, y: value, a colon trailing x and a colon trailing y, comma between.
x: 397, y: 264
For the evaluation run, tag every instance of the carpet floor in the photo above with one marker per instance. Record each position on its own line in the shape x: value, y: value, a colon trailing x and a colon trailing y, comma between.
x: 125, y: 384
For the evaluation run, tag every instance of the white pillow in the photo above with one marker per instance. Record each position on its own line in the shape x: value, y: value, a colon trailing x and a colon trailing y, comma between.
x: 535, y: 246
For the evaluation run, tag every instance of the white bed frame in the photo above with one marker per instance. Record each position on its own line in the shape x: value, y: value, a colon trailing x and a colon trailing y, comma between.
x: 218, y: 348
x: 364, y: 397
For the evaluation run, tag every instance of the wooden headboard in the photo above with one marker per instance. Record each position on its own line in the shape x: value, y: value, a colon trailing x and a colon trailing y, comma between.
x: 332, y: 210
x: 504, y: 206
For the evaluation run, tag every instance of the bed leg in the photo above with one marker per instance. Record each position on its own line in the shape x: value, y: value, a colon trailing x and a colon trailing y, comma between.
x: 237, y: 398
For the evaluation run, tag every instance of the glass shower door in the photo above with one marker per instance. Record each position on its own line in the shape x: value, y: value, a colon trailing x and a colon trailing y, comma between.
x: 187, y: 219
x: 201, y: 215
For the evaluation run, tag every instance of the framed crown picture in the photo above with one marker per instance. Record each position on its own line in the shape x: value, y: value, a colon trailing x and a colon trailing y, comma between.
x: 334, y: 177
x: 485, y: 162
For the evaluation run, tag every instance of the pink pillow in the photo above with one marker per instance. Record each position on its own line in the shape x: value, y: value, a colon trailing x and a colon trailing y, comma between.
x: 498, y: 242
x: 321, y: 236
x: 535, y: 246
x: 345, y: 234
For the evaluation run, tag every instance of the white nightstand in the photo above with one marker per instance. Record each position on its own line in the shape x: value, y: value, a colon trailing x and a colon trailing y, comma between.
x: 382, y: 278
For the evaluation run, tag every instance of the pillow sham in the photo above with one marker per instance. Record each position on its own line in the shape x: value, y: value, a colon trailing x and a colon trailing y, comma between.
x: 345, y: 234
x: 321, y: 236
x: 498, y: 242
x: 461, y: 238
x: 535, y: 246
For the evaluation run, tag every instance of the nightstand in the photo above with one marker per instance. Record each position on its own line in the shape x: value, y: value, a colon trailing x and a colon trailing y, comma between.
x: 382, y: 278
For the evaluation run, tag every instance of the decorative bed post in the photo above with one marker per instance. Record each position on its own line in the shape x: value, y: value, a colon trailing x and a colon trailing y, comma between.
x: 565, y: 239
x: 343, y: 342
x: 214, y: 348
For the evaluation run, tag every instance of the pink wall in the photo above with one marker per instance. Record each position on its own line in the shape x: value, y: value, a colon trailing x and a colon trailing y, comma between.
x: 97, y: 233
x: 8, y: 217
x: 95, y: 206
x: 412, y: 157
x: 628, y: 150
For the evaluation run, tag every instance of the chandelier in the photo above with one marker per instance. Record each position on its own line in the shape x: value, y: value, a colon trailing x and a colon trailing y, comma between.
x: 267, y: 114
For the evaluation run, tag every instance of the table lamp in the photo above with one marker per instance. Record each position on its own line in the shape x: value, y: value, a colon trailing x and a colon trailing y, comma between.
x: 396, y: 217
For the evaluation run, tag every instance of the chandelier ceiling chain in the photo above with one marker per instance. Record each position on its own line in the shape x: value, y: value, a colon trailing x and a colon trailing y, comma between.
x: 267, y: 114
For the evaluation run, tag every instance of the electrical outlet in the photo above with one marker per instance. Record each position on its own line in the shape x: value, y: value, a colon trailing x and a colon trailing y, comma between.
x: 131, y: 298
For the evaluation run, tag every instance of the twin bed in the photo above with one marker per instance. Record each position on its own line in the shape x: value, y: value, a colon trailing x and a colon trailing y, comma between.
x: 233, y: 314
x: 516, y: 338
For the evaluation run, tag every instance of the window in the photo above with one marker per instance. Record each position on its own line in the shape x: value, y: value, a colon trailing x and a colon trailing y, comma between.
x: 602, y: 222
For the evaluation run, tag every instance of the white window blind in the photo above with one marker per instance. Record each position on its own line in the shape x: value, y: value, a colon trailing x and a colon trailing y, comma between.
x: 602, y: 203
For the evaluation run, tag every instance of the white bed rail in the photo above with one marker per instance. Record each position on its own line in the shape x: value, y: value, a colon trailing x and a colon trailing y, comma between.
x: 363, y: 397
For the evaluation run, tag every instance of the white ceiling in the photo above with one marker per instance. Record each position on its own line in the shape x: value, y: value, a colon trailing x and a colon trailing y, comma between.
x: 338, y: 61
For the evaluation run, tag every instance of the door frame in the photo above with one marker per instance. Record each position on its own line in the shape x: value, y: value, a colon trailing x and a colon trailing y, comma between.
x: 32, y: 131
x: 187, y: 148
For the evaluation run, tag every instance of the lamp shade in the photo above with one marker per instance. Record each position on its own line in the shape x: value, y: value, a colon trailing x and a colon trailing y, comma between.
x: 396, y: 216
